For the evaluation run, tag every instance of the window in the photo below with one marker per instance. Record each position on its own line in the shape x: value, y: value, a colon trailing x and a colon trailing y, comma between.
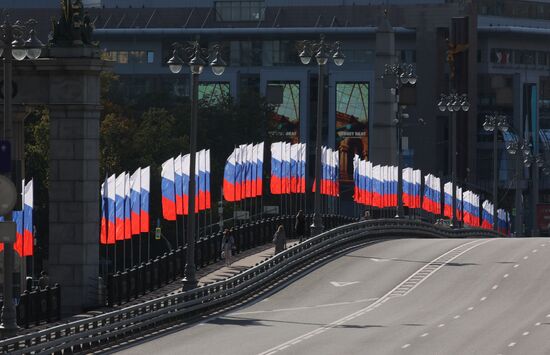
x: 150, y: 57
x: 542, y: 58
x: 123, y: 57
x: 240, y: 10
x: 501, y: 56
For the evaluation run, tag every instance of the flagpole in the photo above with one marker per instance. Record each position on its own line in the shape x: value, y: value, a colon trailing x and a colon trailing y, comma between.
x: 177, y: 233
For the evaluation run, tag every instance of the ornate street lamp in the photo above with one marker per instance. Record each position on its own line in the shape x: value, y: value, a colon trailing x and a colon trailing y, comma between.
x: 196, y: 58
x: 404, y: 74
x: 13, y: 45
x: 321, y: 51
x: 493, y: 123
x: 453, y: 103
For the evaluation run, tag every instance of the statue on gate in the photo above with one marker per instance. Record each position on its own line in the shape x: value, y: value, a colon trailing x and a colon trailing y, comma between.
x: 73, y: 28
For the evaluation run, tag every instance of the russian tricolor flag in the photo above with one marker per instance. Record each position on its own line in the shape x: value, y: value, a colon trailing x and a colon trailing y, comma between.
x: 28, y: 204
x: 168, y: 190
x: 487, y: 215
x: 259, y: 169
x: 432, y: 194
x: 249, y: 163
x: 502, y: 221
x: 111, y: 209
x: 120, y: 192
x: 127, y: 211
x: 230, y: 177
x: 277, y: 169
x: 135, y: 203
x: 144, y: 199
x: 203, y: 173
x: 448, y: 200
x: 411, y: 187
x: 103, y: 226
x: 471, y: 209
x: 17, y: 217
x: 178, y: 184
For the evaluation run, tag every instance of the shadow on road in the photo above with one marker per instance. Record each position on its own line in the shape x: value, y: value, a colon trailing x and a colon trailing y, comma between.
x: 382, y: 259
x: 255, y: 321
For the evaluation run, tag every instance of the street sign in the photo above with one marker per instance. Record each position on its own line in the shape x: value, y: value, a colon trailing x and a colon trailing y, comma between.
x: 271, y: 210
x: 158, y: 233
x: 5, y: 157
x: 8, y: 195
x: 241, y: 215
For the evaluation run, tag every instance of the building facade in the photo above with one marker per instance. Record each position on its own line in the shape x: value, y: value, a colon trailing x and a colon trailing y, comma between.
x: 505, y: 68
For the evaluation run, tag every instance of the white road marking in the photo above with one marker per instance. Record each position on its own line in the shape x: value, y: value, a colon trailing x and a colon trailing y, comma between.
x: 424, y: 335
x: 548, y: 316
x: 535, y: 250
x: 343, y: 284
x: 537, y: 324
x: 515, y: 266
x: 525, y: 257
x: 525, y: 333
x: 405, y: 346
x: 441, y: 325
x: 471, y: 245
x: 305, y: 307
x: 470, y: 308
x: 495, y: 287
x: 379, y: 260
x: 506, y: 275
x: 483, y: 298
x: 511, y: 345
x: 457, y: 316
x: 543, y: 245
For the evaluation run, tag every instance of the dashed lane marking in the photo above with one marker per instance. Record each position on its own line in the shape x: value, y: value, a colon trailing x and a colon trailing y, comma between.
x: 401, y: 289
x: 495, y: 287
x: 537, y: 324
x: 506, y: 275
x: 483, y: 298
x: 305, y: 307
x: 441, y: 325
x: 511, y: 345
x: 525, y: 257
x: 534, y: 250
x: 515, y: 266
x: 457, y: 316
x: 424, y: 335
x: 525, y: 333
x: 405, y: 346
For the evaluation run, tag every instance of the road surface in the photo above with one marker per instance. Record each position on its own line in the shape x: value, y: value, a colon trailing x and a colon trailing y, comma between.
x: 407, y: 296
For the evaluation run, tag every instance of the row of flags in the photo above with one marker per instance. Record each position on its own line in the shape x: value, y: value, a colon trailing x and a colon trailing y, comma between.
x: 24, y: 241
x: 175, y: 178
x: 288, y: 168
x: 125, y: 205
x: 376, y: 186
x: 242, y: 175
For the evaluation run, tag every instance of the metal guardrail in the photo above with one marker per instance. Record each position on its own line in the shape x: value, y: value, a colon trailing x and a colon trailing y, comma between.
x: 38, y: 306
x: 89, y: 333
x: 122, y: 287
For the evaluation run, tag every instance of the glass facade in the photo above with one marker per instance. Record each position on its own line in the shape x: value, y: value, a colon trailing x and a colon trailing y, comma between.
x: 213, y: 93
x: 284, y: 121
x: 240, y: 11
x: 352, y: 124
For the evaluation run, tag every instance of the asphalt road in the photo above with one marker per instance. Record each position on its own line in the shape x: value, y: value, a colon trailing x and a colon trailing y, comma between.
x: 408, y: 296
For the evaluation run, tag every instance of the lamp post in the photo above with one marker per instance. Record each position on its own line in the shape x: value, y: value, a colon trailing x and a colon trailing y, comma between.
x: 521, y: 149
x: 197, y: 58
x: 13, y: 45
x: 493, y: 123
x: 453, y: 103
x: 404, y: 74
x: 321, y: 50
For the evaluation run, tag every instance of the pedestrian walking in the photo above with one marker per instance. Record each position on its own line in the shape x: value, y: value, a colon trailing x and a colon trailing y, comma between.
x: 300, y: 226
x: 279, y: 239
x: 44, y: 280
x: 228, y: 244
x: 366, y: 216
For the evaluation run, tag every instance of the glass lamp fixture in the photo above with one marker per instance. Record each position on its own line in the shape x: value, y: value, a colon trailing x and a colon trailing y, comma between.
x: 18, y: 52
x: 305, y: 57
x: 338, y: 56
x: 218, y: 64
x: 175, y: 63
x: 34, y: 45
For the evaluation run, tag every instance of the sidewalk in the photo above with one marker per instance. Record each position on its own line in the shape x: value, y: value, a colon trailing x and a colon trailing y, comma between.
x: 208, y: 274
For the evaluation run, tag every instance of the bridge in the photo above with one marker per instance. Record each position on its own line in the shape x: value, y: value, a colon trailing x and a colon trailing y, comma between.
x: 387, y: 285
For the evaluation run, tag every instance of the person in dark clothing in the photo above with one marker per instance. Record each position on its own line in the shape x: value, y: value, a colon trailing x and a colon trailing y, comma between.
x: 366, y: 217
x: 279, y: 239
x: 228, y: 244
x: 300, y: 226
x: 44, y: 280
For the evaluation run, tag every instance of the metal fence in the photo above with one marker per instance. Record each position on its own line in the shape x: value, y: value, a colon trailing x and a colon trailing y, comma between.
x: 38, y: 306
x: 111, y: 327
x: 130, y: 284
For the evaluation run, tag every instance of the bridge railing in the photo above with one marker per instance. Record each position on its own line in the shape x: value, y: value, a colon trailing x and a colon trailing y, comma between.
x: 38, y: 306
x: 122, y: 287
x: 101, y: 329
